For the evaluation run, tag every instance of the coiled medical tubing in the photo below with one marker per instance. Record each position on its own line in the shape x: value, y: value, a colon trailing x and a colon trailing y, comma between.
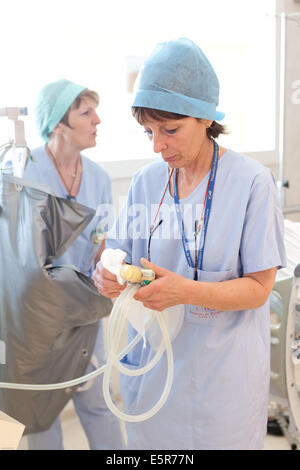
x: 115, y: 328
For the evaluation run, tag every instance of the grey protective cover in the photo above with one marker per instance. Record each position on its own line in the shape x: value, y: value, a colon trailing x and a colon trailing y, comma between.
x: 48, y: 315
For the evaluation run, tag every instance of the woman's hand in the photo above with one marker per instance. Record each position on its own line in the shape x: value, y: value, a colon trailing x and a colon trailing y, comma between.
x: 164, y: 292
x: 106, y: 282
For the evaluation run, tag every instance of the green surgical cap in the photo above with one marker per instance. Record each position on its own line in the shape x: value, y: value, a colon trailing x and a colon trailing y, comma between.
x: 53, y: 102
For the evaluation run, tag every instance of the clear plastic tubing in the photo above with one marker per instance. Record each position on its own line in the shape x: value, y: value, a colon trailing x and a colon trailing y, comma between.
x: 116, y: 325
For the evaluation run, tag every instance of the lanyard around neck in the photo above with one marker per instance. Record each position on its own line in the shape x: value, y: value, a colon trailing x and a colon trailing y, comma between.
x: 207, y: 209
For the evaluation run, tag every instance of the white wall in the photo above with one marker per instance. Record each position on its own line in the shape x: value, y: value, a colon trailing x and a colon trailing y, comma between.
x: 291, y: 145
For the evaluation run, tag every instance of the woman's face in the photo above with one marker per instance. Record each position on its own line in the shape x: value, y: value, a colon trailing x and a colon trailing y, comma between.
x: 83, y: 123
x: 179, y: 142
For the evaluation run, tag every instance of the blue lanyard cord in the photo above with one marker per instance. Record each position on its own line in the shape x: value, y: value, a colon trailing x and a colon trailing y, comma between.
x: 207, y: 209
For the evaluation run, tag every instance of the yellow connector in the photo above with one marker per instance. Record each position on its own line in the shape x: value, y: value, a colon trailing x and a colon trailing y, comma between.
x: 136, y: 274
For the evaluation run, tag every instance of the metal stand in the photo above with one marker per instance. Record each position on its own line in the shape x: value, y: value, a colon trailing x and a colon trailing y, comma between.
x: 282, y: 183
x: 285, y: 344
x: 15, y: 153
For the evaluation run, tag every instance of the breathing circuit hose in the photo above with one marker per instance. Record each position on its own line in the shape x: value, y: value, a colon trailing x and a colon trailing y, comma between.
x: 116, y: 325
x: 118, y: 319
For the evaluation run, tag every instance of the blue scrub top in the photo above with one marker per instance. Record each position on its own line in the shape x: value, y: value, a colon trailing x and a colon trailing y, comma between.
x: 94, y: 192
x: 219, y: 398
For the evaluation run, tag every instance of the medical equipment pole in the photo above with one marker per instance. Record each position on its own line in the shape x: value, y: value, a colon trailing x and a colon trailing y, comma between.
x: 281, y: 108
x: 284, y: 184
x: 16, y: 143
x: 13, y: 115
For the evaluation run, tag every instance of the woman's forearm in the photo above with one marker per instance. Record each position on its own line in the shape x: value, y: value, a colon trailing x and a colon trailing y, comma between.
x: 238, y: 294
x: 169, y: 288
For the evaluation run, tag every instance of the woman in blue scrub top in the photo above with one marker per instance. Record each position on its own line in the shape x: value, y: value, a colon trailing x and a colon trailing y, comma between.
x: 215, y: 242
x: 67, y: 121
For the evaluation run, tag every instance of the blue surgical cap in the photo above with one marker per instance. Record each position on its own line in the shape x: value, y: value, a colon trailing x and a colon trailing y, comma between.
x: 53, y: 102
x: 178, y: 77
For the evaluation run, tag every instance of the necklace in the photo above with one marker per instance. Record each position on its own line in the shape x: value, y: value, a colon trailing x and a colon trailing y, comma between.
x: 74, y: 175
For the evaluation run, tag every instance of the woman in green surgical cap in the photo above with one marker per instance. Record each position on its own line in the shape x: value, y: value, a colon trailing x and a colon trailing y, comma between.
x: 67, y: 120
x: 213, y: 236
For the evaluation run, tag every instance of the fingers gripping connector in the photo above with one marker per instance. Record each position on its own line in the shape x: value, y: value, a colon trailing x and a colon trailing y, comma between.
x: 135, y: 274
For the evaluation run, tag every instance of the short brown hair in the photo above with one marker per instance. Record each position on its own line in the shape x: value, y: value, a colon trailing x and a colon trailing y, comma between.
x: 76, y: 103
x: 142, y: 114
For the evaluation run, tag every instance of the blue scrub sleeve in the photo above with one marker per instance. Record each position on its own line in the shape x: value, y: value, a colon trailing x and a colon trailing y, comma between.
x: 262, y: 243
x: 118, y: 237
x: 107, y: 194
x: 105, y: 211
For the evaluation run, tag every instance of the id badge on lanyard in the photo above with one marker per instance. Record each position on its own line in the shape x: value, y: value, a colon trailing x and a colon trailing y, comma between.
x: 203, y: 227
